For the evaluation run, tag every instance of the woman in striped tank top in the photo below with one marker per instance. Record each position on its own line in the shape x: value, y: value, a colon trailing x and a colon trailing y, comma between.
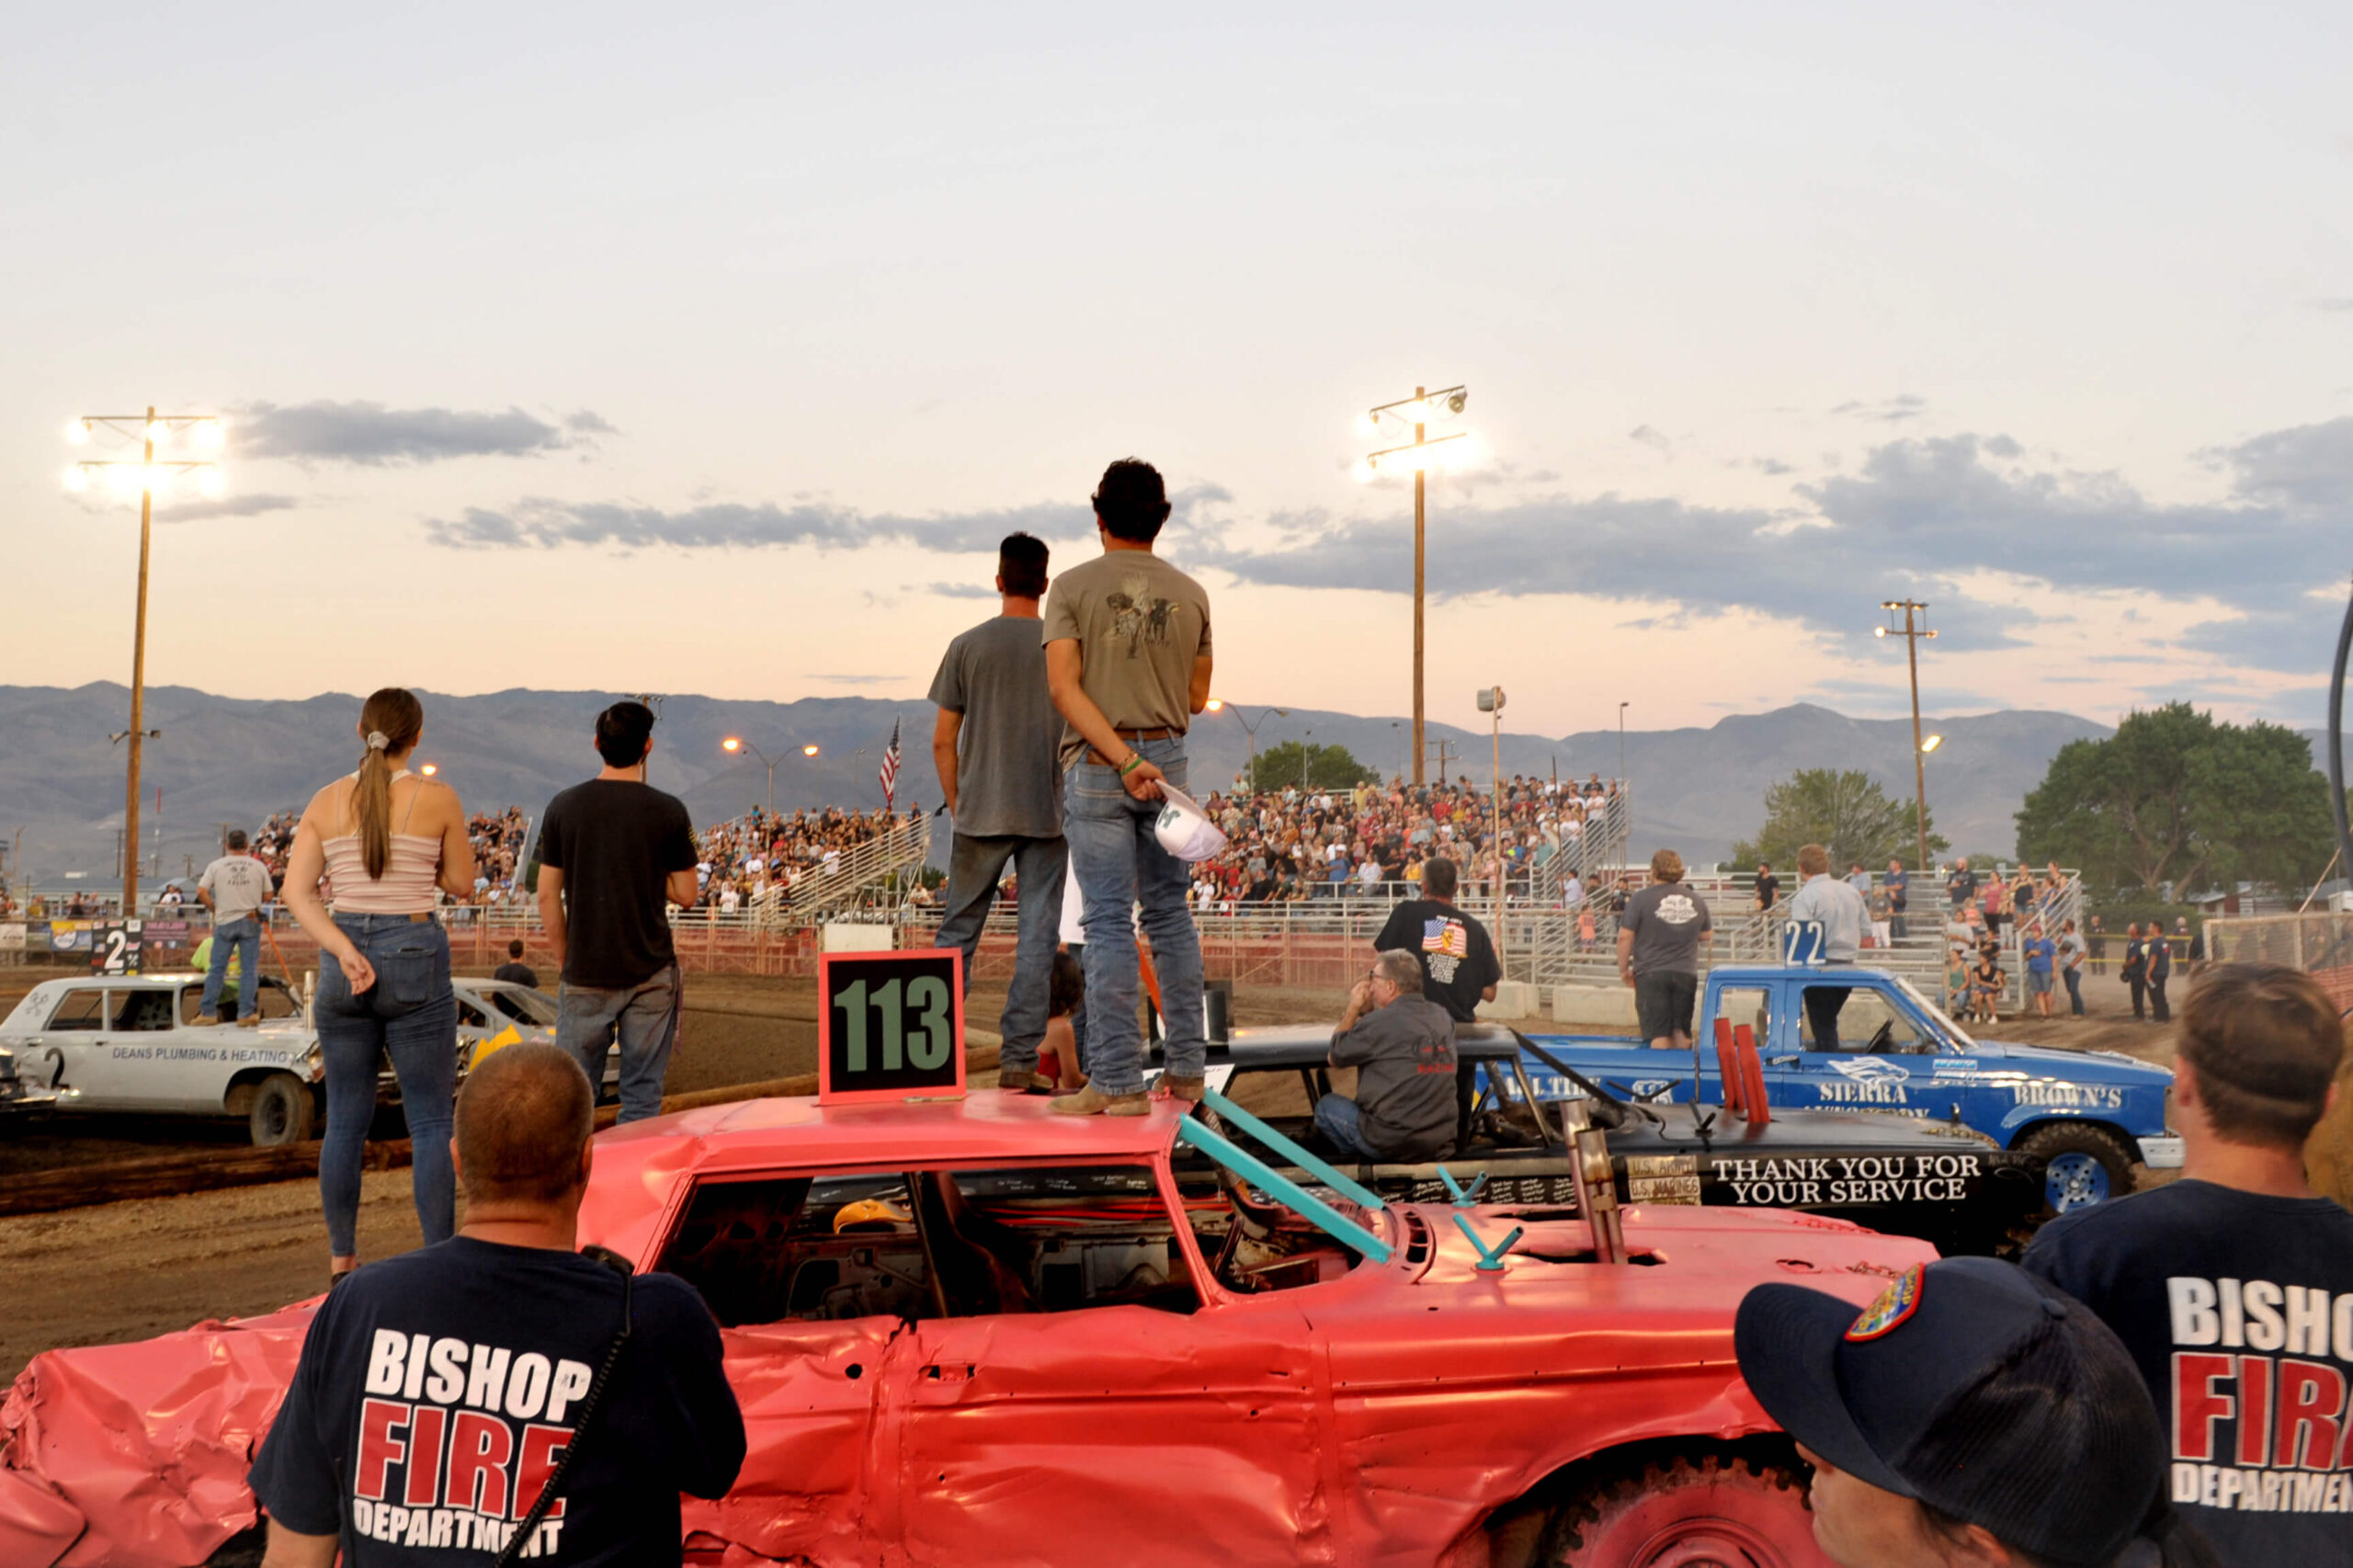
x: 386, y: 842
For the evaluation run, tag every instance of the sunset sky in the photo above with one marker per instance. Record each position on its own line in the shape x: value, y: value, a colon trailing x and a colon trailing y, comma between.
x: 711, y: 350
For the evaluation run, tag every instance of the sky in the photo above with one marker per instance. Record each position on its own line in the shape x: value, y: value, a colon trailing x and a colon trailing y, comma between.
x: 711, y: 350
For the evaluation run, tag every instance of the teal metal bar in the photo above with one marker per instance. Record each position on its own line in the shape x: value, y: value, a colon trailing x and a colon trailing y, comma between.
x: 1464, y: 1197
x: 1491, y: 1260
x: 1362, y: 1196
x: 1248, y: 1167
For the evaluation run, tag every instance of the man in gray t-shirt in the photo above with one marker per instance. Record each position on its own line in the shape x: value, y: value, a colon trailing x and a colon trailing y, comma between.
x: 1659, y: 935
x: 994, y: 746
x: 234, y: 888
x: 1402, y: 1046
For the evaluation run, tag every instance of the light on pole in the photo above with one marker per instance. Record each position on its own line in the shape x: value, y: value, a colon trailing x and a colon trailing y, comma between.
x: 1912, y: 631
x: 1491, y: 702
x: 1249, y: 729
x: 736, y: 743
x: 144, y: 475
x: 1421, y: 456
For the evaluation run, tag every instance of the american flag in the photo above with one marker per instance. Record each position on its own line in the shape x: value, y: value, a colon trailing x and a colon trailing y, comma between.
x: 890, y: 774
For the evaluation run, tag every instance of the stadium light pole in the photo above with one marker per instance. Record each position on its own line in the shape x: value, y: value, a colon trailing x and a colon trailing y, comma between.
x: 1420, y: 456
x: 1249, y: 727
x: 1622, y: 745
x: 1912, y: 632
x: 734, y: 743
x: 144, y: 473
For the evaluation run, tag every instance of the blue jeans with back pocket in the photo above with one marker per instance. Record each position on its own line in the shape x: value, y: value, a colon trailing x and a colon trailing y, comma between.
x: 411, y: 1015
x: 1121, y: 866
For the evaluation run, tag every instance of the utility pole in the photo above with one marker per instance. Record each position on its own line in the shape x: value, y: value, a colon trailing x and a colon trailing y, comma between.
x: 1912, y: 633
x: 147, y: 474
x: 1418, y: 411
x: 1622, y: 745
x: 1443, y: 747
x: 1491, y: 702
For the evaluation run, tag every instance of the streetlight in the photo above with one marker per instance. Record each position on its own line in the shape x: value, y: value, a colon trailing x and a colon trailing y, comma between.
x: 1491, y: 702
x: 1912, y: 632
x: 1421, y: 456
x: 201, y: 431
x: 1219, y: 705
x: 735, y: 743
x: 430, y: 768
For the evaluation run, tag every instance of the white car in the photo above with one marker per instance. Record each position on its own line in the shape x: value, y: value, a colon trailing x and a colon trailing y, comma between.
x: 131, y: 1043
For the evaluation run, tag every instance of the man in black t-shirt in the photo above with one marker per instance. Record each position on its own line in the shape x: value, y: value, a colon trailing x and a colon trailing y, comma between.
x: 612, y: 853
x: 1960, y: 888
x: 514, y: 971
x: 440, y: 1393
x: 1768, y: 887
x: 2233, y: 1286
x: 1458, y: 964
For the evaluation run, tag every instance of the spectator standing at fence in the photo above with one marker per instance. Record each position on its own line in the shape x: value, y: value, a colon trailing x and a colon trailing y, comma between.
x: 1768, y: 887
x: 1402, y: 1046
x: 1659, y: 939
x: 387, y: 841
x: 1880, y: 912
x: 613, y: 852
x: 2228, y: 1284
x: 514, y: 971
x: 2071, y: 966
x: 1859, y: 879
x: 1128, y: 662
x: 1838, y: 909
x: 409, y: 1349
x: 2042, y: 956
x: 1458, y: 964
x: 994, y: 746
x: 2096, y: 938
x: 2160, y: 950
x: 234, y: 888
x: 1899, y: 899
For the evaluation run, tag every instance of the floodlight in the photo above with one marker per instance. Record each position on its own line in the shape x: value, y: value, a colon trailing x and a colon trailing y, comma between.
x: 808, y: 751
x: 731, y: 744
x: 1214, y: 705
x: 1365, y: 469
x: 1368, y: 425
x: 1879, y: 630
x: 207, y: 436
x: 1932, y: 743
x: 77, y: 479
x: 1452, y: 403
x: 77, y: 433
x: 430, y: 768
x: 158, y: 431
x: 209, y: 480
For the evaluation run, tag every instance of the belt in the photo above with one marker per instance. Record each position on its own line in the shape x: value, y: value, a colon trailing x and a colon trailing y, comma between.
x: 1164, y: 732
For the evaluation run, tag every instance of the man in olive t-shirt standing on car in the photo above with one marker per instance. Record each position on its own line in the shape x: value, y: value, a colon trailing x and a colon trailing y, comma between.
x: 612, y: 853
x: 1127, y: 641
x: 1659, y: 937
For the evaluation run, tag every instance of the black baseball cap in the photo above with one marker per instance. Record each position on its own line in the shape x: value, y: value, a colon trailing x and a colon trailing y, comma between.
x: 1974, y: 1387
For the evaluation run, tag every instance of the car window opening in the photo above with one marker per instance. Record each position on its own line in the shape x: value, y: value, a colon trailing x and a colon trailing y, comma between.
x: 83, y: 1009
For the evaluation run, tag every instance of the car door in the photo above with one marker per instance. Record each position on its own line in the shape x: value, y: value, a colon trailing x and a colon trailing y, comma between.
x: 1882, y: 1060
x: 65, y: 1051
x: 1134, y: 1430
x: 813, y: 1278
x: 149, y: 1063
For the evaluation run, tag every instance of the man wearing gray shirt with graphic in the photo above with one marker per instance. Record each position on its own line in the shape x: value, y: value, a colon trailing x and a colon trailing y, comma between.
x: 994, y: 746
x: 234, y: 888
x: 1838, y: 909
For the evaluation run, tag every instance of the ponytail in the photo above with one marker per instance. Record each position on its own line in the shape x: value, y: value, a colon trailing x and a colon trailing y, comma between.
x: 390, y: 720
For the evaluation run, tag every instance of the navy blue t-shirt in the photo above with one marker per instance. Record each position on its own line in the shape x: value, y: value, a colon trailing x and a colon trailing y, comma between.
x: 2239, y: 1309
x: 437, y: 1391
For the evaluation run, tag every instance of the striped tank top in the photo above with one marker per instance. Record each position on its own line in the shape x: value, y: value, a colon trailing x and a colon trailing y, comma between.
x: 411, y: 871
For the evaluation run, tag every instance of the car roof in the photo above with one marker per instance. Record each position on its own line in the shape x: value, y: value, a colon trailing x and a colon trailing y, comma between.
x: 984, y: 1125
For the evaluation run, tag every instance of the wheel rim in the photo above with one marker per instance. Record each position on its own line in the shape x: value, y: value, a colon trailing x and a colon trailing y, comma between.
x: 2075, y: 1180
x: 276, y: 1117
x: 1707, y: 1543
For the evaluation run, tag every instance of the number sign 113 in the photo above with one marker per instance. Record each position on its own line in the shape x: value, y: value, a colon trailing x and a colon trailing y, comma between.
x: 893, y: 1026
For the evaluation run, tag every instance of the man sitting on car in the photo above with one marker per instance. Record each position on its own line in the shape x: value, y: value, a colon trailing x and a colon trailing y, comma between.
x: 1402, y: 1048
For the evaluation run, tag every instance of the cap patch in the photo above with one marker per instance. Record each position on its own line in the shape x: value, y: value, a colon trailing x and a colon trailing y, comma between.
x: 1895, y: 1303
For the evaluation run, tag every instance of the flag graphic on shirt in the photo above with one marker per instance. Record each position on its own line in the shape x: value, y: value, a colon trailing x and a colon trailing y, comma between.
x: 890, y: 774
x: 1445, y: 936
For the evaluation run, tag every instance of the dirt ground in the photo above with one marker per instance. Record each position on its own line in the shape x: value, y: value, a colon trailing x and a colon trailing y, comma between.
x: 135, y: 1270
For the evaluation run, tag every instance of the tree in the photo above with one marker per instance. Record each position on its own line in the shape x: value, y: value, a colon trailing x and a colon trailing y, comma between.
x: 2178, y: 797
x: 1845, y: 812
x: 1324, y: 767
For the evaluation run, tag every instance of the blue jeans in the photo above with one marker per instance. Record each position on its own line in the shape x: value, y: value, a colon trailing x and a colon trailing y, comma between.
x: 1337, y: 1117
x: 973, y: 868
x: 411, y: 1015
x: 1120, y: 864
x: 645, y: 1019
x: 241, y: 937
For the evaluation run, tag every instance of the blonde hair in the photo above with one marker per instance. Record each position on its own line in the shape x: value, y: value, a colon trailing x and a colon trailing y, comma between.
x: 1667, y: 865
x: 1813, y: 860
x: 391, y: 722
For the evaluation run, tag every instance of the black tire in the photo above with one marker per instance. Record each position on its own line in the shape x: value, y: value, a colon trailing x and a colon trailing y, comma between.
x: 1736, y: 1510
x: 282, y: 1111
x: 2069, y: 1143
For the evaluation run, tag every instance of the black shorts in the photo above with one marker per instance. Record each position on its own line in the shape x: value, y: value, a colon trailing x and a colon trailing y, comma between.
x: 1662, y: 1003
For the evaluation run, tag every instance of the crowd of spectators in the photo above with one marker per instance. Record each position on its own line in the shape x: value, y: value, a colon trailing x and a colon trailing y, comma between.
x: 1294, y: 844
x: 744, y: 860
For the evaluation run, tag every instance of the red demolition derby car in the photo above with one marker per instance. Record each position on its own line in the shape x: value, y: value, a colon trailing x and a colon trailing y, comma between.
x: 975, y: 1333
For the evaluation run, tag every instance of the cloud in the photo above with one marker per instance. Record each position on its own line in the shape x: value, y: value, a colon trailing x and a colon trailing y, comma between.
x: 371, y: 435
x: 2337, y: 304
x: 1649, y: 438
x: 1773, y: 467
x: 541, y: 523
x: 233, y: 506
x: 859, y: 680
x: 2310, y: 465
x: 1887, y: 410
x: 960, y: 590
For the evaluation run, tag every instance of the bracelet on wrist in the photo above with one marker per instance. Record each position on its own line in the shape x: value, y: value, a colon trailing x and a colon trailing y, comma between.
x: 1135, y: 760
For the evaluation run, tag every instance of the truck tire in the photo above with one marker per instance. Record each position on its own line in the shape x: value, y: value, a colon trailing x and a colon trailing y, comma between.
x: 2088, y: 1164
x: 282, y: 1111
x: 1688, y: 1512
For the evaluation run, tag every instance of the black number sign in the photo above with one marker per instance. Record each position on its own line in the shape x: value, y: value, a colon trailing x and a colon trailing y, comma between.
x: 893, y: 1024
x: 116, y: 946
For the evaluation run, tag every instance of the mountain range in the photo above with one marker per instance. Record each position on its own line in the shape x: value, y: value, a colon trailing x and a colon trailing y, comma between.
x: 230, y: 760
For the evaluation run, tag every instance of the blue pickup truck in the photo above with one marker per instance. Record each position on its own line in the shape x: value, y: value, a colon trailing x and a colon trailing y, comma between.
x: 2092, y: 1114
